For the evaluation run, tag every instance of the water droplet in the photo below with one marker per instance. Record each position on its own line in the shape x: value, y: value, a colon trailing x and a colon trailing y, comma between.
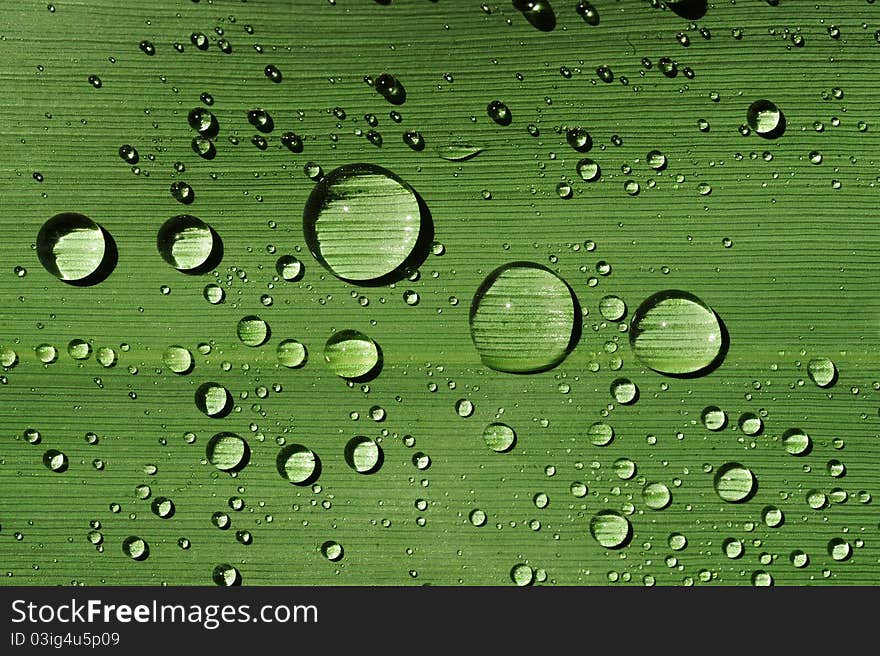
x: 261, y: 120
x: 796, y: 442
x: 298, y: 464
x: 579, y: 139
x: 228, y: 452
x: 766, y: 119
x: 839, y: 549
x: 273, y: 73
x: 189, y: 244
x: 588, y: 12
x: 458, y: 152
x: 414, y: 140
x: 713, y: 418
x: 213, y: 400
x: 499, y: 112
x: 735, y: 483
x: 226, y: 575
x: 733, y: 548
x: 624, y: 391
x: 612, y: 308
x: 391, y: 89
x: 332, y: 551
x: 589, y: 170
x: 522, y: 575
x: 162, y: 507
x: 499, y: 437
x: 46, y: 353
x: 55, y: 461
x: 657, y: 496
x: 106, y: 356
x: 539, y: 13
x: 477, y: 517
x: 611, y: 529
x: 363, y: 455
x: 353, y: 355
x: 822, y: 371
x: 178, y: 359
x: 135, y: 548
x: 600, y: 434
x: 204, y: 122
x: 129, y: 154
x: 253, y: 331
x: 214, y: 294
x: 524, y: 318
x: 656, y: 160
x: 75, y: 249
x: 366, y: 225
x: 750, y: 424
x: 291, y: 353
x: 675, y: 333
x: 182, y: 192
x: 289, y: 268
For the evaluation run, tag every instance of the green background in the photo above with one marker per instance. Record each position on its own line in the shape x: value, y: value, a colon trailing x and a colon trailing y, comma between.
x: 798, y: 282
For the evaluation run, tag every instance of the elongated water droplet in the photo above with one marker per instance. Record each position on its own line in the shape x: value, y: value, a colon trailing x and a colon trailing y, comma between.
x: 458, y: 152
x: 524, y: 318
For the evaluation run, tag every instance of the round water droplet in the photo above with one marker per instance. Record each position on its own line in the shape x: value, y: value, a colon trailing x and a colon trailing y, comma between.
x: 766, y: 119
x: 796, y: 442
x: 291, y: 353
x: 204, y: 122
x: 624, y: 391
x: 214, y: 294
x: 522, y: 575
x: 477, y: 517
x: 600, y: 434
x: 289, y: 268
x: 162, y: 507
x: 676, y: 334
x: 298, y: 464
x: 8, y: 357
x: 214, y: 400
x: 611, y: 529
x: 189, y: 244
x: 226, y: 575
x: 589, y: 170
x: 579, y: 139
x: 55, y: 461
x: 612, y: 308
x: 75, y: 249
x: 332, y: 551
x: 129, y: 154
x: 657, y: 496
x: 135, y: 548
x: 228, y: 452
x: 46, y: 353
x: 363, y: 455
x: 524, y: 318
x: 713, y: 418
x: 839, y: 549
x: 750, y: 424
x: 499, y: 437
x: 253, y: 331
x: 656, y: 160
x: 822, y: 371
x: 366, y: 225
x: 79, y: 349
x: 106, y: 356
x: 182, y: 192
x: 178, y: 359
x: 499, y: 112
x: 733, y: 548
x: 772, y: 516
x: 735, y: 483
x: 353, y: 355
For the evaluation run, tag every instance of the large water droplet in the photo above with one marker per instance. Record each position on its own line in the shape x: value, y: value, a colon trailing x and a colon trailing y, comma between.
x: 228, y: 452
x: 298, y: 464
x: 214, y: 400
x: 363, y: 455
x: 766, y: 119
x: 499, y: 437
x: 524, y: 318
x: 75, y: 249
x: 822, y: 371
x: 366, y: 225
x: 611, y: 529
x: 253, y: 331
x: 676, y: 334
x: 735, y: 483
x: 353, y: 355
x: 189, y: 244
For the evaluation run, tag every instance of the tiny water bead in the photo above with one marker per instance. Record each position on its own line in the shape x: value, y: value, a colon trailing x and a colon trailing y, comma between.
x: 352, y: 354
x: 189, y: 244
x: 252, y: 331
x: 75, y: 249
x: 713, y: 418
x: 135, y: 548
x: 735, y: 483
x: 524, y: 319
x: 227, y: 452
x: 766, y: 119
x: 291, y: 353
x: 363, y: 455
x: 611, y: 529
x: 298, y: 464
x: 822, y: 371
x: 676, y: 334
x: 366, y: 225
x: 796, y: 442
x: 499, y: 437
x: 214, y: 400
